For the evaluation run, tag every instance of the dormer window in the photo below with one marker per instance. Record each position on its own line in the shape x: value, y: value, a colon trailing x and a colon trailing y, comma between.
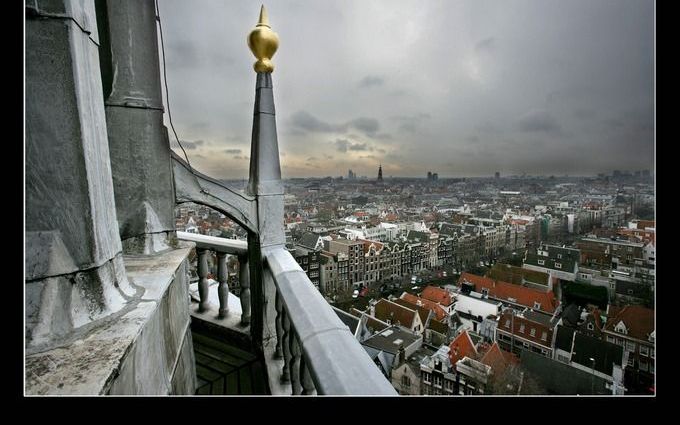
x: 621, y: 328
x: 590, y: 326
x: 558, y: 265
x: 537, y: 305
x: 541, y: 262
x: 559, y: 256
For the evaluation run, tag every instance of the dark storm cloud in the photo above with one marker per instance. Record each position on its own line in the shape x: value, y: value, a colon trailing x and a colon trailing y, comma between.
x: 343, y: 145
x: 568, y: 80
x: 488, y: 127
x: 359, y: 147
x: 539, y: 120
x: 367, y: 125
x: 371, y: 80
x: 411, y: 123
x: 304, y: 121
x: 188, y: 145
x: 488, y: 44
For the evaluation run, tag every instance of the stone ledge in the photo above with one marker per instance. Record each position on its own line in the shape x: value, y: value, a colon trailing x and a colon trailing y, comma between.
x: 157, y: 322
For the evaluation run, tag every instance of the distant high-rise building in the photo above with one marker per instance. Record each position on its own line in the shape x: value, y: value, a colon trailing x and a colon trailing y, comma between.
x: 380, y: 173
x: 435, y: 177
x: 351, y: 175
x: 498, y: 175
x: 429, y: 176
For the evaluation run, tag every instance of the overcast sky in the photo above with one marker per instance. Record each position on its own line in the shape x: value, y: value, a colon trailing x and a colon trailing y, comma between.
x: 462, y: 88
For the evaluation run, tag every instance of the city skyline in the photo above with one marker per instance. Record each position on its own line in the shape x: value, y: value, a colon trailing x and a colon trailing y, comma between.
x: 464, y: 89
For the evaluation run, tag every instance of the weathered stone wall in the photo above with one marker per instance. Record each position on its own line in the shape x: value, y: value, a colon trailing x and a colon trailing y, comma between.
x: 146, y: 348
x: 74, y: 271
x: 138, y: 140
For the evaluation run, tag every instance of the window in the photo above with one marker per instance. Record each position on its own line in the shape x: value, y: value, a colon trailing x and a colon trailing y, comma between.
x: 558, y: 265
x: 541, y: 262
x: 405, y: 381
x: 507, y: 323
x: 532, y: 332
x: 590, y: 326
x: 644, y: 366
x: 526, y: 345
x: 426, y: 377
x: 644, y: 350
x: 544, y: 336
x: 651, y: 352
x: 559, y: 256
x: 630, y: 360
x: 537, y: 305
x: 437, y: 381
x: 521, y: 328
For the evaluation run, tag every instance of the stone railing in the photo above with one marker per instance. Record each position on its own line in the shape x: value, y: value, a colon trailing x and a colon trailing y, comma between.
x: 221, y: 247
x: 314, y: 351
x: 319, y: 354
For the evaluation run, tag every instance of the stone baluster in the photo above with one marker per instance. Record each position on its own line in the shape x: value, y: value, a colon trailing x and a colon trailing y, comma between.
x: 202, y: 279
x: 244, y: 282
x: 285, y: 373
x: 295, y: 363
x: 223, y: 288
x: 279, y: 325
x: 307, y: 383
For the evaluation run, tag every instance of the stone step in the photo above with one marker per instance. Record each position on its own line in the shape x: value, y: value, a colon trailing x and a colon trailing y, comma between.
x: 223, y: 369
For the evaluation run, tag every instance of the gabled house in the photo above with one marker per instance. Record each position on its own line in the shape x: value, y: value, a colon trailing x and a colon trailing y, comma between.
x: 633, y: 328
x: 395, y: 314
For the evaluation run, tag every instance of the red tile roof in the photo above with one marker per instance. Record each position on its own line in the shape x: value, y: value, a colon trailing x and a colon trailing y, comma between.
x: 438, y: 295
x: 505, y: 291
x: 422, y: 311
x: 461, y: 347
x: 639, y: 320
x: 387, y: 310
x: 497, y: 359
x: 436, y: 308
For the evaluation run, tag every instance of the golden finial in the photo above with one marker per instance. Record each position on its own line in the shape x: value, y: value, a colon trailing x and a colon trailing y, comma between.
x: 263, y: 42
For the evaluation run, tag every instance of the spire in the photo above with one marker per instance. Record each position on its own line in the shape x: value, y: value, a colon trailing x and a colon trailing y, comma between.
x: 263, y: 42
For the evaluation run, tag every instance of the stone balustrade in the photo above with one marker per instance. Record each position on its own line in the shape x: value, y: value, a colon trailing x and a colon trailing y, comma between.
x: 221, y: 247
x: 317, y: 351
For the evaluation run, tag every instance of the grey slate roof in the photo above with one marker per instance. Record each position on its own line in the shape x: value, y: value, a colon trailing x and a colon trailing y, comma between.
x: 309, y: 240
x: 558, y: 378
x: 414, y: 235
x: 606, y: 354
x: 564, y: 337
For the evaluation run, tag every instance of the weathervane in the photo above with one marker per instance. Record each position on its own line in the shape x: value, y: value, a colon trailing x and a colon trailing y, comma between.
x: 263, y: 42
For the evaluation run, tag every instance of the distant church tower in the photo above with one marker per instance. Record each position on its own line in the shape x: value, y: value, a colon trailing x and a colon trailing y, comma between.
x: 380, y: 173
